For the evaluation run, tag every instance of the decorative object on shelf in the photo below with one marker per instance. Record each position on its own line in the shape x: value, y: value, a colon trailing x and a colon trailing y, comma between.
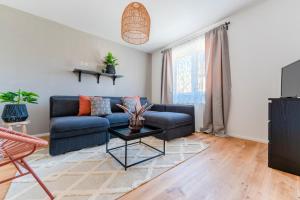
x: 16, y: 110
x: 135, y: 24
x: 97, y: 74
x: 136, y: 120
x: 110, y: 63
x: 83, y: 65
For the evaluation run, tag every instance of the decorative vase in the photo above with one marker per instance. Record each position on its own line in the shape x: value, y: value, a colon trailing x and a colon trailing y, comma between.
x: 136, y: 124
x: 110, y: 69
x: 14, y: 113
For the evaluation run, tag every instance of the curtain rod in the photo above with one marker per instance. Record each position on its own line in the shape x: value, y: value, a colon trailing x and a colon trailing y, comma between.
x: 195, y: 35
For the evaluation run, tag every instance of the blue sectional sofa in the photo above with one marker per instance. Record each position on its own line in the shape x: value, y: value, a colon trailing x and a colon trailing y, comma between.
x: 69, y: 132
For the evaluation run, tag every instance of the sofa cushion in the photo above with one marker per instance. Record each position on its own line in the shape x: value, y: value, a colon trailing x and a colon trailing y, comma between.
x: 118, y: 118
x: 61, y: 106
x: 100, y: 106
x: 167, y: 120
x: 84, y: 106
x: 132, y: 103
x: 61, y: 127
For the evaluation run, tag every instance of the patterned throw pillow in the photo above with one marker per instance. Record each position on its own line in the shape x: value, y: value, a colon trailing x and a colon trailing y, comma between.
x: 100, y: 106
x: 131, y: 102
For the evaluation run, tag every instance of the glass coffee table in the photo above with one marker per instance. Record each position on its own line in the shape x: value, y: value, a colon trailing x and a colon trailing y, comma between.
x: 124, y: 133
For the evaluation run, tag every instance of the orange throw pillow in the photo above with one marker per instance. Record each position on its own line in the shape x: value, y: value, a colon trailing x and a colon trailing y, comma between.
x: 84, y: 105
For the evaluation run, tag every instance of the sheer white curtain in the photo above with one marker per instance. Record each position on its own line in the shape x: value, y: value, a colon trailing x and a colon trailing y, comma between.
x: 189, y: 76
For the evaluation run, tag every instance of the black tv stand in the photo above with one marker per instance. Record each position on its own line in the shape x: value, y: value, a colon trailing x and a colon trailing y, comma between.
x: 284, y: 134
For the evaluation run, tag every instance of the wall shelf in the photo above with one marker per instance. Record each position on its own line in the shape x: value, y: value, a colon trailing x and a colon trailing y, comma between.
x: 96, y: 74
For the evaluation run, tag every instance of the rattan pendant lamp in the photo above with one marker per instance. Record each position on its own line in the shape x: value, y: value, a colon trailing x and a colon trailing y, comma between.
x: 135, y: 24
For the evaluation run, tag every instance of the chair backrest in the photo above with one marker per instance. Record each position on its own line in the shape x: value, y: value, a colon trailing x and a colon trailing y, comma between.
x: 15, y: 145
x: 61, y: 106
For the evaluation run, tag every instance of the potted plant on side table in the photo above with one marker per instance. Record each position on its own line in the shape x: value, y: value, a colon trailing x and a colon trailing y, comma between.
x: 16, y: 110
x: 110, y: 63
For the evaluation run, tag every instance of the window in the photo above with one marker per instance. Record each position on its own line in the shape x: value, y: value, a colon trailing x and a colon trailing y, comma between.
x: 189, y: 72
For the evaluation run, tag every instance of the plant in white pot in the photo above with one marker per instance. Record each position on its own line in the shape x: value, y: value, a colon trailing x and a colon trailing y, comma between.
x: 16, y: 110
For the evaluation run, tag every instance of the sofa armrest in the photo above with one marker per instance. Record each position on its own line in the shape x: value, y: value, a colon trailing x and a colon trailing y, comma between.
x: 179, y: 108
x: 159, y: 107
x: 187, y: 109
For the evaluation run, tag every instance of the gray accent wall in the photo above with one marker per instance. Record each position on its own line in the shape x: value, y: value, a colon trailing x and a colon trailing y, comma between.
x: 39, y: 55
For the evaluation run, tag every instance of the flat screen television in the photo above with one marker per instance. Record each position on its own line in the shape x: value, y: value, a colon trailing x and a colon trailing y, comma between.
x: 290, y: 80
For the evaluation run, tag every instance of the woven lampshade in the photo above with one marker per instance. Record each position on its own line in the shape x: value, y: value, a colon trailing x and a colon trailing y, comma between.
x: 135, y: 24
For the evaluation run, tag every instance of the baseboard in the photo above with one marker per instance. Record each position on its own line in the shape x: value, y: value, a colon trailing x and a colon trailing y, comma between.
x: 229, y: 134
x: 41, y: 135
x: 248, y: 138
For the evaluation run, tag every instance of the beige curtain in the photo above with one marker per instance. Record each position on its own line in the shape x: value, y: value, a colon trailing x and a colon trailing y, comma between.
x: 218, y: 81
x: 167, y: 78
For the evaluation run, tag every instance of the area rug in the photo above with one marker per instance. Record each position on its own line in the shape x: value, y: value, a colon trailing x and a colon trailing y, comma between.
x: 91, y: 174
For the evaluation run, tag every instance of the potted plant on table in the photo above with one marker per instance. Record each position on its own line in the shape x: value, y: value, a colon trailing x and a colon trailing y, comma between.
x: 110, y: 63
x: 16, y: 110
x: 136, y: 119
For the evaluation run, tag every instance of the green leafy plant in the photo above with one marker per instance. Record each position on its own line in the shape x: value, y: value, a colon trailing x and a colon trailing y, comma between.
x: 110, y: 60
x: 18, y: 97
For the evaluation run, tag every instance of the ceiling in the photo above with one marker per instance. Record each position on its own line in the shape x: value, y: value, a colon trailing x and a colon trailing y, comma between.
x: 170, y: 19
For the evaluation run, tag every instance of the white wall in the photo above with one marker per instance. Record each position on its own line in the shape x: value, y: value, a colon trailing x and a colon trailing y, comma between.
x: 262, y: 39
x: 38, y: 55
x: 156, y: 76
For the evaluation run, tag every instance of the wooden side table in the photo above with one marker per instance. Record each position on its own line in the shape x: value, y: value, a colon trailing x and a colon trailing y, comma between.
x: 23, y: 125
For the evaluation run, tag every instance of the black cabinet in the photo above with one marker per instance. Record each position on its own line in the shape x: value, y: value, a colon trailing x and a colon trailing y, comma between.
x: 284, y: 134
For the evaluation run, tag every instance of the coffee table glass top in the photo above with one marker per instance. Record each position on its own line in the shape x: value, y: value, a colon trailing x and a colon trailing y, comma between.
x: 125, y: 133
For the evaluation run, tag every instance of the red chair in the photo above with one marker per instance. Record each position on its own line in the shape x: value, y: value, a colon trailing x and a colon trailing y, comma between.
x: 14, y: 147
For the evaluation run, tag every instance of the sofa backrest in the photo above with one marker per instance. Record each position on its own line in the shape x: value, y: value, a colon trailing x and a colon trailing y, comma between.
x: 61, y: 106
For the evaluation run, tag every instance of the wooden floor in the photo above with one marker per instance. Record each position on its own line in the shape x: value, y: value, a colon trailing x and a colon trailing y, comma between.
x: 7, y: 172
x: 230, y: 169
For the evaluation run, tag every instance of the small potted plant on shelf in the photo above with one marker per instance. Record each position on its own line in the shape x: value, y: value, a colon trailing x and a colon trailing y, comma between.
x: 16, y: 110
x: 110, y: 63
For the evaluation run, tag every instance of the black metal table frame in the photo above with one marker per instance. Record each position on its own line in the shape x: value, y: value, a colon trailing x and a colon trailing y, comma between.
x: 125, y: 165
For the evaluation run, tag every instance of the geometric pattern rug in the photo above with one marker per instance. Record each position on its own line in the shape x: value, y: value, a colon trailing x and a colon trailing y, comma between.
x: 91, y: 174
